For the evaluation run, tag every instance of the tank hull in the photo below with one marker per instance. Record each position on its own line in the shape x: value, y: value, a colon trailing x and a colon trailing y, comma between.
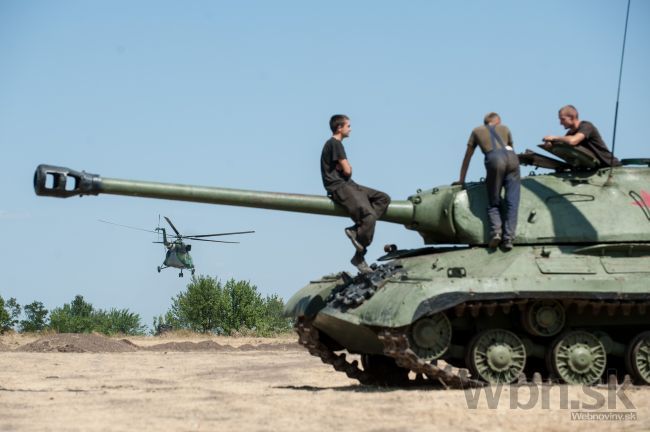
x: 600, y: 290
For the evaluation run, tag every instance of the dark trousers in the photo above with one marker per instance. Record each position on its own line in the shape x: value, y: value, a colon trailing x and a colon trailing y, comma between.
x: 502, y: 168
x: 364, y: 205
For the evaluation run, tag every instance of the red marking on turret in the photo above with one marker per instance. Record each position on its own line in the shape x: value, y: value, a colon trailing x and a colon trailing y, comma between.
x: 645, y: 198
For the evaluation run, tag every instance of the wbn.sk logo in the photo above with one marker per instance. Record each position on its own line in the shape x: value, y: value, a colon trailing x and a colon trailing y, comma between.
x: 529, y: 396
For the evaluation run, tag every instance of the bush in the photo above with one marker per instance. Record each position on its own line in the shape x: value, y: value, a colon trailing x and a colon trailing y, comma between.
x: 9, y: 313
x: 166, y: 323
x: 118, y: 321
x: 35, y: 314
x: 4, y: 317
x: 80, y: 317
x: 207, y: 305
x: 274, y: 321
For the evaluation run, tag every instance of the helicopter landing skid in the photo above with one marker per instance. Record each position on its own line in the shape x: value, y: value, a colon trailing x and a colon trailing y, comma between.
x: 192, y: 270
x: 160, y: 268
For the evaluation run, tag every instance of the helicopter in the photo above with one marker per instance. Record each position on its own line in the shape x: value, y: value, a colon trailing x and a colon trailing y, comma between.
x: 178, y: 252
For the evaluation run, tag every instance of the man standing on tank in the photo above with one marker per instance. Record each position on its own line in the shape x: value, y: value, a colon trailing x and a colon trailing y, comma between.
x: 582, y: 134
x: 502, y: 167
x: 364, y: 205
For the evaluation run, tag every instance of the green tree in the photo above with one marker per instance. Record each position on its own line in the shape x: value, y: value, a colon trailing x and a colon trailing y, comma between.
x: 244, y: 307
x: 35, y: 314
x: 207, y: 305
x: 198, y: 307
x: 9, y: 313
x: 75, y: 317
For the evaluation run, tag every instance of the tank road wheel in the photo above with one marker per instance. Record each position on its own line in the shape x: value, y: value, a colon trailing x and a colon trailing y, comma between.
x: 578, y: 357
x: 637, y: 358
x: 496, y: 356
x: 429, y: 337
x: 384, y: 370
x: 544, y: 318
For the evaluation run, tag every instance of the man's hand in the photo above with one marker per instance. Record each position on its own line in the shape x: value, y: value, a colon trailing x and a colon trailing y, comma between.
x: 458, y: 183
x: 567, y: 139
x: 344, y: 167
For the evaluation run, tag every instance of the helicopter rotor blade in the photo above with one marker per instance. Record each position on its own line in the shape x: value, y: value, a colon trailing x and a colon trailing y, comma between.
x: 219, y: 234
x: 208, y: 240
x: 173, y: 227
x: 125, y: 226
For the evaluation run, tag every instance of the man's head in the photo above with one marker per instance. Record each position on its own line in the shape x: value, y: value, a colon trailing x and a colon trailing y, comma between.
x: 568, y: 116
x: 491, y: 119
x: 340, y: 124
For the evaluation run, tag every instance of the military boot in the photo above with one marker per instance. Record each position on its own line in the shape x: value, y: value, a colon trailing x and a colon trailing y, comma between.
x: 360, y: 263
x: 351, y: 232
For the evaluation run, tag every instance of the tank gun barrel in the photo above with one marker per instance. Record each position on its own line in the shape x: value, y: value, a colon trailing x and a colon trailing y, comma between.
x: 64, y: 182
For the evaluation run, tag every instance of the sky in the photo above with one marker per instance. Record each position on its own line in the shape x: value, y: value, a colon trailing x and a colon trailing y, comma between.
x: 239, y: 95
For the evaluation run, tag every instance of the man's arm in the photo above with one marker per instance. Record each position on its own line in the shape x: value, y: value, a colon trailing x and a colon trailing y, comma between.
x: 344, y: 167
x: 568, y: 139
x: 463, y: 169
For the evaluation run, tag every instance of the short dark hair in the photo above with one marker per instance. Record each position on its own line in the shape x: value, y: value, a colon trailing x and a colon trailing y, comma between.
x: 337, y: 121
x: 569, y: 109
x: 489, y: 117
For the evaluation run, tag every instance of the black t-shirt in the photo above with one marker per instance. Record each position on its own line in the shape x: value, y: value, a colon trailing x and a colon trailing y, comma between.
x: 594, y: 143
x: 333, y: 151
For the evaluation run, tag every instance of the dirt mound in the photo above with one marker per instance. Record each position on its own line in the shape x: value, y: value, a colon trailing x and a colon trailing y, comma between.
x: 97, y: 343
x: 79, y: 343
x: 214, y: 346
x: 270, y: 347
x: 189, y: 346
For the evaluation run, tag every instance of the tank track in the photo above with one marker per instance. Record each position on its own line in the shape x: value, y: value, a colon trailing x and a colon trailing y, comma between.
x: 308, y: 336
x: 406, y: 358
x: 395, y: 346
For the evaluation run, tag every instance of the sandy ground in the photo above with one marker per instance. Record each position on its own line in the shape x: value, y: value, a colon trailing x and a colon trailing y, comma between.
x: 89, y: 382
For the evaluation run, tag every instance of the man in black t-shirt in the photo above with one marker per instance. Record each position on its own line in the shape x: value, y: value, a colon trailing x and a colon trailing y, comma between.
x: 583, y: 134
x: 364, y: 205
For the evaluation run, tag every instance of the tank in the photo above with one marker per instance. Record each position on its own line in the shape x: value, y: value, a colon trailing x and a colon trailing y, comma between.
x: 568, y: 303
